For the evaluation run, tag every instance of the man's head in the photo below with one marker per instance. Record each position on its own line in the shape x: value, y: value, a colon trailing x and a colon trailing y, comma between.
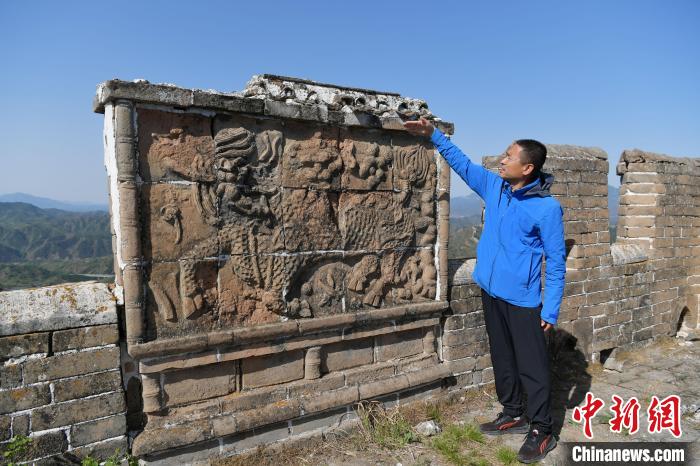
x: 522, y: 161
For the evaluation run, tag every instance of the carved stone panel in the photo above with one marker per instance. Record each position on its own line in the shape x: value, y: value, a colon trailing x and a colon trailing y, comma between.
x: 367, y: 160
x: 174, y: 146
x: 311, y: 157
x: 172, y: 225
x: 242, y: 219
x: 310, y: 220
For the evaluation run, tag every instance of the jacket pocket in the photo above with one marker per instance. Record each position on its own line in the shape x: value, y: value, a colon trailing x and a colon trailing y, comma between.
x: 514, y: 269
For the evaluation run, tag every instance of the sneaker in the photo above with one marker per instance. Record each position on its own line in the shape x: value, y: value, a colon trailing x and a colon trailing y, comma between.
x: 536, y: 446
x: 505, y: 424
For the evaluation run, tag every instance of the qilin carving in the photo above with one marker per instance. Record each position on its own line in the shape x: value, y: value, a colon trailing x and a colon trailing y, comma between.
x: 313, y: 162
x: 366, y: 161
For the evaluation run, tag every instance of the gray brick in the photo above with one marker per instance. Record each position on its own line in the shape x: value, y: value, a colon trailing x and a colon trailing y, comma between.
x: 85, y: 337
x: 5, y: 423
x: 93, y: 384
x: 346, y: 354
x: 71, y: 364
x: 10, y: 376
x: 272, y: 369
x: 44, y: 445
x: 93, y: 431
x: 72, y: 412
x: 19, y: 345
x: 20, y: 425
x: 103, y: 449
x: 18, y: 399
x: 399, y: 345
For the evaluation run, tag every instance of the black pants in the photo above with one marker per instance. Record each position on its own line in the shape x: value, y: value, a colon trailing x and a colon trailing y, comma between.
x: 520, y: 359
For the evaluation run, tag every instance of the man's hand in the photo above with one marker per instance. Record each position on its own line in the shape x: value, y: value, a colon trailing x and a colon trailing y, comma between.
x: 421, y: 127
x: 545, y: 325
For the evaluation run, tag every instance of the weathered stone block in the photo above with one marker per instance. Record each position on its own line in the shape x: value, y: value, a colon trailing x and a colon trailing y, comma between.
x: 56, y: 307
x: 5, y: 423
x: 20, y: 425
x: 10, y: 376
x: 70, y: 364
x: 72, y: 412
x: 93, y: 384
x: 399, y: 345
x: 309, y: 218
x: 272, y: 369
x: 101, y: 429
x: 454, y: 322
x: 367, y: 374
x: 19, y: 399
x: 103, y: 449
x: 172, y: 145
x: 85, y: 337
x: 347, y: 354
x: 199, y: 383
x: 44, y: 445
x: 242, y: 401
x: 19, y: 345
x: 305, y: 388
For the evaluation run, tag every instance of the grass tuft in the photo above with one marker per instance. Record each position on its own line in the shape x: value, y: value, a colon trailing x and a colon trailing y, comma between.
x: 387, y: 429
x: 506, y: 455
x: 450, y: 442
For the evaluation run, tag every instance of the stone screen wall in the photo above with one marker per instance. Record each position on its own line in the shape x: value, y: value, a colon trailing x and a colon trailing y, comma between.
x: 272, y: 244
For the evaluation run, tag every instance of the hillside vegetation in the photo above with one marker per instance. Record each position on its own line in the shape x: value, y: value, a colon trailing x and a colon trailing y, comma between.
x: 47, y: 246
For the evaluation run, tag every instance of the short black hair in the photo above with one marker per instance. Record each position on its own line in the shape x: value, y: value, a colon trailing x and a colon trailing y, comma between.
x: 533, y: 152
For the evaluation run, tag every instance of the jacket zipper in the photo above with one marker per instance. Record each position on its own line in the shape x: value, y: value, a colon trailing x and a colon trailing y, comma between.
x: 498, y: 237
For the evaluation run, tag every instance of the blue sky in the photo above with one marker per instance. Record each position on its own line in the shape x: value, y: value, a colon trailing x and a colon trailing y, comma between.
x: 611, y: 74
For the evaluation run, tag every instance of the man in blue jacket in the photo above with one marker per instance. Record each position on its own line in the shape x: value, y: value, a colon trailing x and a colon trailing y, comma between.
x: 522, y: 224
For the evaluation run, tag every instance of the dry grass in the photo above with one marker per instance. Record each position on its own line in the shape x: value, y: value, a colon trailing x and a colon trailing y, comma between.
x: 386, y: 436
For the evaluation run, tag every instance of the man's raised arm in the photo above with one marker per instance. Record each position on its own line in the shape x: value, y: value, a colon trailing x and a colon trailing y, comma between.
x: 477, y: 177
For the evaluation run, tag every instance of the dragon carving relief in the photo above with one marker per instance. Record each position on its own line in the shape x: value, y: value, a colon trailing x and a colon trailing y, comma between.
x: 235, y: 187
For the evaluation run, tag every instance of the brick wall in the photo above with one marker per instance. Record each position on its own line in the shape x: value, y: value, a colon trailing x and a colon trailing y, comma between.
x: 643, y: 286
x: 60, y: 378
x: 660, y: 212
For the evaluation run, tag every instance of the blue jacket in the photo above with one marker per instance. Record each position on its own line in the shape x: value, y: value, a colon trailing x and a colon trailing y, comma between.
x: 520, y: 228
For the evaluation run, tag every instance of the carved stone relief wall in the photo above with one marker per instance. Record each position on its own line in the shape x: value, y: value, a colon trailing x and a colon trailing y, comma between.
x: 246, y: 220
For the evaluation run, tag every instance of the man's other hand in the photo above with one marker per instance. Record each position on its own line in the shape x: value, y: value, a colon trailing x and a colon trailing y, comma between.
x: 421, y: 127
x: 545, y: 325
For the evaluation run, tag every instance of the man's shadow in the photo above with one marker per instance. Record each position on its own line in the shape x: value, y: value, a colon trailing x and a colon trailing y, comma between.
x: 569, y: 380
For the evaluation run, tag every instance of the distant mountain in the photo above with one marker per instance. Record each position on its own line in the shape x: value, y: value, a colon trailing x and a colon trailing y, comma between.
x: 613, y: 203
x: 46, y: 203
x: 28, y: 233
x: 465, y: 206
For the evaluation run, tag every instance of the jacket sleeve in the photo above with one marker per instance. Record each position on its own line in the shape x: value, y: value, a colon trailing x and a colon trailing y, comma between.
x: 552, y: 235
x: 477, y: 177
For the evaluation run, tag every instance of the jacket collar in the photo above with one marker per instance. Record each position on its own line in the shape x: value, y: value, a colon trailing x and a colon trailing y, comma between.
x: 537, y: 188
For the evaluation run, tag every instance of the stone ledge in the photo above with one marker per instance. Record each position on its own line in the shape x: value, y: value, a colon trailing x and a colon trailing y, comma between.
x: 281, y: 97
x: 460, y: 271
x: 147, y: 366
x: 262, y: 333
x: 58, y: 307
x: 627, y: 253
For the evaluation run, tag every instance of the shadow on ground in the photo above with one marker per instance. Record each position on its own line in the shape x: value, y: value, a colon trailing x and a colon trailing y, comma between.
x: 569, y: 377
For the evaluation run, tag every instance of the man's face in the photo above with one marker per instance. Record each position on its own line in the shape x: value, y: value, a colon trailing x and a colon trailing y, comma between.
x: 511, y: 168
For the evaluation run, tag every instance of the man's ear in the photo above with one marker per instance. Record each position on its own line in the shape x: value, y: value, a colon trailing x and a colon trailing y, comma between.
x: 529, y: 169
